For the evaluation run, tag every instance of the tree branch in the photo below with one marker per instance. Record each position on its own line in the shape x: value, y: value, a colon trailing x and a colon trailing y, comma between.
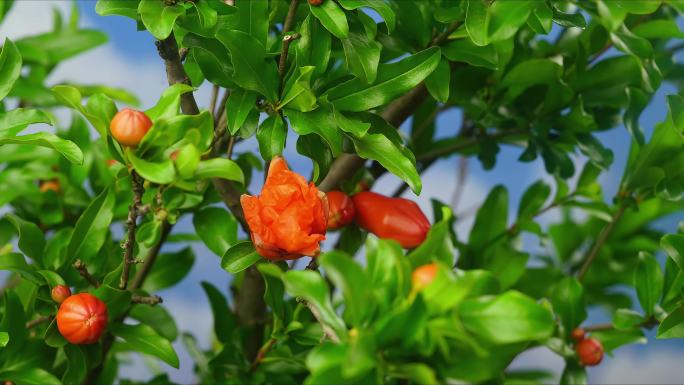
x: 287, y: 39
x: 38, y: 321
x: 131, y: 223
x: 175, y: 73
x: 600, y: 241
x: 147, y: 300
x: 146, y: 267
x: 83, y: 271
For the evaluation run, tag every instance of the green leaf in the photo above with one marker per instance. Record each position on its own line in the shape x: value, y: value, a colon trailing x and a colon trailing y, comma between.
x: 217, y: 228
x: 156, y: 172
x: 313, y: 46
x: 378, y: 147
x: 533, y: 199
x: 362, y: 55
x: 673, y: 325
x: 252, y: 69
x: 212, y: 58
x: 311, y: 286
x: 275, y: 290
x: 312, y: 146
x: 92, y: 228
x: 491, y: 220
x: 320, y: 121
x: 438, y: 82
x: 169, y: 102
x: 464, y: 50
x: 187, y: 160
x: 379, y: 6
x: 126, y: 8
x: 118, y: 301
x: 648, y: 280
x: 673, y: 244
x: 659, y: 29
x: 239, y: 257
x: 224, y: 320
x: 253, y: 19
x: 52, y: 48
x: 573, y: 374
x: 4, y: 339
x: 65, y: 147
x: 145, y: 340
x: 349, y: 277
x: 569, y: 304
x: 14, y: 121
x: 29, y: 376
x: 76, y: 365
x: 158, y: 17
x: 350, y: 124
x: 393, y: 79
x: 31, y: 238
x: 238, y: 106
x: 568, y: 20
x: 10, y: 67
x: 298, y: 94
x: 156, y: 317
x: 71, y: 97
x: 170, y: 269
x: 625, y: 319
x: 271, y: 136
x: 497, y: 21
x: 220, y: 168
x: 15, y: 262
x: 508, y: 318
x: 332, y: 17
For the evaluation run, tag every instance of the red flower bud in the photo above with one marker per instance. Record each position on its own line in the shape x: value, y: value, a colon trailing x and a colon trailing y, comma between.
x: 111, y: 162
x: 50, y: 185
x: 315, y: 3
x: 82, y: 318
x: 129, y: 127
x: 423, y: 276
x: 577, y: 334
x: 341, y: 210
x: 391, y: 218
x: 289, y: 219
x: 60, y: 293
x: 589, y: 351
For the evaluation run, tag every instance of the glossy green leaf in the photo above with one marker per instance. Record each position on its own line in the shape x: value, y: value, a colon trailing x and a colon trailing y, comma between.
x: 169, y: 102
x: 252, y: 70
x: 332, y: 17
x: 311, y: 287
x: 298, y: 94
x: 253, y: 19
x: 52, y: 48
x: 438, y: 82
x: 169, y: 269
x: 350, y: 278
x: 10, y: 67
x: 158, y: 17
x: 156, y: 317
x: 220, y: 168
x: 92, y: 228
x: 569, y: 303
x: 238, y: 106
x: 65, y: 147
x: 271, y: 136
x: 509, y: 318
x: 673, y: 325
x: 379, y: 6
x: 673, y: 244
x: 464, y: 50
x: 393, y: 80
x: 14, y: 121
x: 128, y: 8
x: 156, y: 172
x: 31, y: 238
x: 217, y: 228
x: 224, y: 320
x: 362, y: 55
x: 30, y: 376
x: 648, y: 280
x: 313, y: 46
x: 239, y: 257
x: 144, y: 339
x: 389, y: 155
x: 320, y: 121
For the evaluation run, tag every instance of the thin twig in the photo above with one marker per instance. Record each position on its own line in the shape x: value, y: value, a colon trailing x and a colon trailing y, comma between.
x: 648, y: 324
x: 262, y: 353
x: 444, y: 36
x: 131, y: 223
x: 287, y: 39
x: 38, y: 321
x: 144, y: 270
x: 147, y: 300
x: 231, y: 145
x: 83, y: 271
x: 327, y: 330
x: 212, y: 102
x: 220, y: 110
x: 460, y: 182
x: 600, y: 241
x: 467, y: 144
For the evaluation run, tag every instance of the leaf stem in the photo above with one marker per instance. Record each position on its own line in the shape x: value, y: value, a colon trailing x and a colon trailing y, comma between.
x: 147, y: 300
x: 131, y: 223
x: 83, y: 271
x: 600, y: 241
x: 287, y: 39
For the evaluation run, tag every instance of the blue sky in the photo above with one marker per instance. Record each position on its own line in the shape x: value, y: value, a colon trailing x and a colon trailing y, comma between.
x: 130, y: 60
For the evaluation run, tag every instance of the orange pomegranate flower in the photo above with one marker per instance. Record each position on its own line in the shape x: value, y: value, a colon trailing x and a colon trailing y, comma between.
x: 288, y: 220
